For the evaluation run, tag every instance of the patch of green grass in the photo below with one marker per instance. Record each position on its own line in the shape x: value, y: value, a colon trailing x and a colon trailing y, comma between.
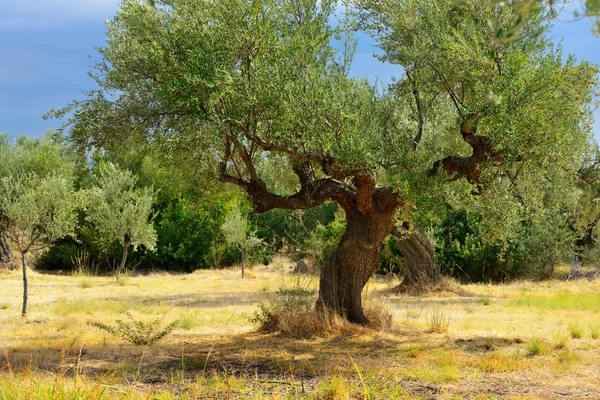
x: 575, y: 330
x: 561, y: 341
x: 595, y: 330
x: 86, y: 283
x: 123, y: 280
x: 486, y: 301
x: 560, y: 301
x: 187, y: 321
x: 534, y: 347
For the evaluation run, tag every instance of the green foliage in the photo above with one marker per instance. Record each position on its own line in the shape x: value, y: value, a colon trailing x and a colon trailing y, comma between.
x: 258, y: 92
x: 37, y: 210
x: 535, y: 249
x: 136, y: 332
x: 237, y: 231
x: 323, y: 239
x: 120, y: 212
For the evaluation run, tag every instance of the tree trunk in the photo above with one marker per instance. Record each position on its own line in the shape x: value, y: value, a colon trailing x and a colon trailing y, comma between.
x: 419, y: 254
x: 353, y: 262
x: 123, y: 260
x: 25, y: 284
x: 6, y: 256
x: 243, y: 262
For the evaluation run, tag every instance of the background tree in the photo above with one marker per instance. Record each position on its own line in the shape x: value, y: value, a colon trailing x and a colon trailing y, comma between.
x: 6, y: 255
x: 118, y: 211
x: 238, y: 232
x: 256, y: 81
x: 37, y: 211
x: 43, y: 156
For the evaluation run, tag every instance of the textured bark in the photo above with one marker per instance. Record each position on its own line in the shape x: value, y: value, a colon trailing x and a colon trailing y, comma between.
x: 419, y: 255
x: 468, y: 166
x: 25, y: 284
x: 353, y: 262
x: 6, y: 256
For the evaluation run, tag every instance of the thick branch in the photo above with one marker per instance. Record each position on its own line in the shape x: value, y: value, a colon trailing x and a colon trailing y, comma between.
x: 308, y: 196
x: 467, y: 166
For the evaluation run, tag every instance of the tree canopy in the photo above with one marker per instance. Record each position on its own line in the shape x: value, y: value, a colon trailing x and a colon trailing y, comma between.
x: 486, y: 113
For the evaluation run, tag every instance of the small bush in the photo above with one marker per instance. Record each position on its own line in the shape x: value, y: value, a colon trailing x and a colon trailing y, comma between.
x: 486, y: 301
x: 137, y: 332
x: 438, y: 321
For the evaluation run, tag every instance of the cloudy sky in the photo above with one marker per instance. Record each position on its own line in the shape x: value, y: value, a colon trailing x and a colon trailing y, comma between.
x: 47, y: 48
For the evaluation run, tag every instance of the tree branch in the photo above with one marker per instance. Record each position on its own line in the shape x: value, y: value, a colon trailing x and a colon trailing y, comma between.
x: 467, y: 166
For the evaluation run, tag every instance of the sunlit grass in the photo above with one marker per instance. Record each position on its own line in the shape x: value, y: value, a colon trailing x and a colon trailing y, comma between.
x: 523, y: 328
x: 560, y: 301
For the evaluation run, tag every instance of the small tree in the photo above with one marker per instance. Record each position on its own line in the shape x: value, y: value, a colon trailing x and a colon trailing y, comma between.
x: 37, y: 212
x: 120, y: 212
x: 237, y: 231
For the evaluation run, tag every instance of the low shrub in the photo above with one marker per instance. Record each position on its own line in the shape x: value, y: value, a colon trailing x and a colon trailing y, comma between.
x: 138, y: 333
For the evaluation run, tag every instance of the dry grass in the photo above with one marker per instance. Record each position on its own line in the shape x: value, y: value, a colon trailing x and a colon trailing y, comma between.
x: 215, y: 352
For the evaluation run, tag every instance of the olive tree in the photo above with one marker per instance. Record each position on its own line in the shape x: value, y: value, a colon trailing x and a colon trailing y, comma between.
x: 238, y: 232
x: 37, y: 211
x: 261, y: 82
x: 120, y: 212
x: 44, y: 156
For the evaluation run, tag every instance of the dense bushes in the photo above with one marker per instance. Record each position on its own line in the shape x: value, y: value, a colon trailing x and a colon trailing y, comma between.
x: 534, y: 251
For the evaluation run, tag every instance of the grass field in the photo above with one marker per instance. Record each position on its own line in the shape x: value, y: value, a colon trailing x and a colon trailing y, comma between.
x: 518, y: 341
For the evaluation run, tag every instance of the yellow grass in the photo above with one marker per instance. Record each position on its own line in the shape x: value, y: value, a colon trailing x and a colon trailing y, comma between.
x: 518, y: 341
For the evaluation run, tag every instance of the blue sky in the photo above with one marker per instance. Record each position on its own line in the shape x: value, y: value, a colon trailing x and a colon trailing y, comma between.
x: 46, y: 47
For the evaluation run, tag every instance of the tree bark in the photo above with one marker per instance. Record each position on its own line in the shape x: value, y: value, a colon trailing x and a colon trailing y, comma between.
x: 25, y: 284
x: 419, y: 255
x: 243, y: 262
x: 353, y: 262
x: 6, y: 256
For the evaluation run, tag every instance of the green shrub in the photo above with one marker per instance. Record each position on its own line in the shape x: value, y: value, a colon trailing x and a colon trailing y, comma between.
x: 138, y: 333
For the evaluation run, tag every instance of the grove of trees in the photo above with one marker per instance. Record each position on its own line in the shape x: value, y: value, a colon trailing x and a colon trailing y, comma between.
x: 478, y: 161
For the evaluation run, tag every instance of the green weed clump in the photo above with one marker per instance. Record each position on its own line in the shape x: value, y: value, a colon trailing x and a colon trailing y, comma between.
x: 138, y: 333
x: 595, y: 330
x: 576, y: 330
x: 534, y: 347
x: 486, y: 301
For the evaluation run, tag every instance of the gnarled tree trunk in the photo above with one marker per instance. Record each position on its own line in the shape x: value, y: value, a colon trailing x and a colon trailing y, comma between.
x: 419, y: 254
x: 353, y: 262
x: 6, y: 256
